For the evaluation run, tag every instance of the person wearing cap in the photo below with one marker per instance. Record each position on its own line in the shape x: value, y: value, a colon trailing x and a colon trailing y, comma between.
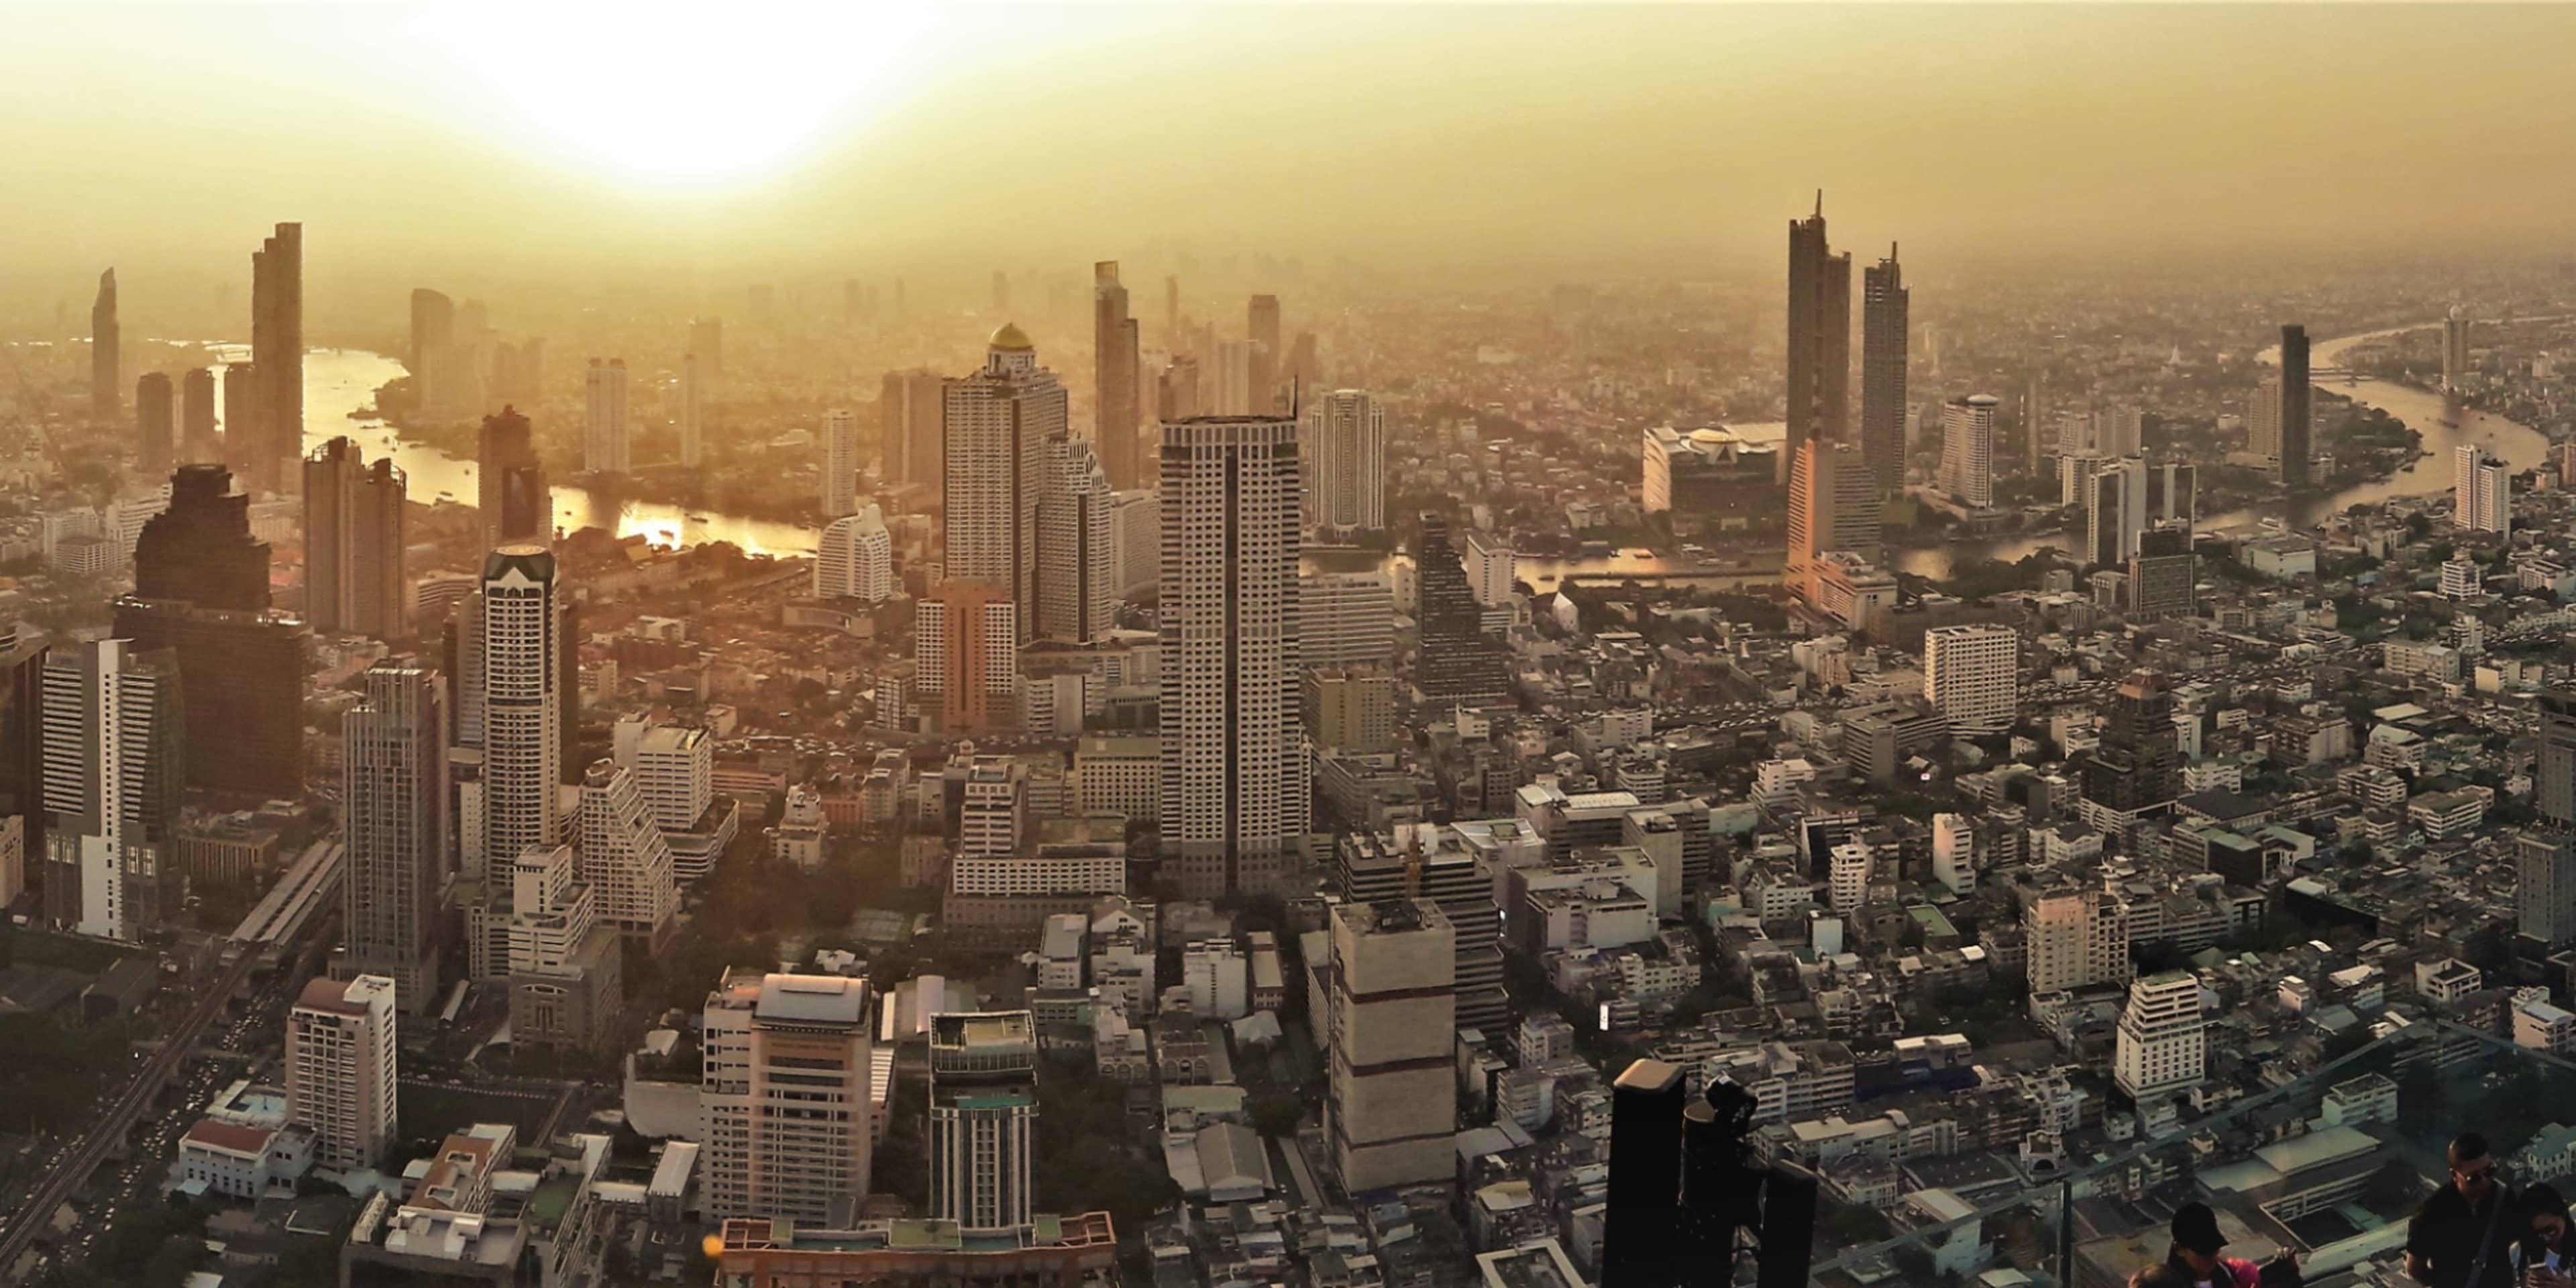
x: 2196, y: 1245
x: 2462, y: 1237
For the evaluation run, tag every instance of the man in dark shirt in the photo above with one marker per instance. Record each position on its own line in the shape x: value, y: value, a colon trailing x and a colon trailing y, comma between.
x: 2462, y: 1230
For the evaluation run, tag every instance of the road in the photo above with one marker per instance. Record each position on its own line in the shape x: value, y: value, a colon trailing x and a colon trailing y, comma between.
x: 121, y: 1115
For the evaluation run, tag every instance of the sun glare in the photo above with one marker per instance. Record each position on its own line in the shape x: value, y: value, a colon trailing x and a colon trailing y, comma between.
x: 697, y: 97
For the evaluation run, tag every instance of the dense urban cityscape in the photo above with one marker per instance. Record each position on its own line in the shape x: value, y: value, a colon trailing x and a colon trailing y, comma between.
x: 1228, y: 766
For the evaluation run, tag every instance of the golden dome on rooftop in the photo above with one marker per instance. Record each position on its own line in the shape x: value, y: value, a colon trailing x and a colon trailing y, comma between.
x: 1013, y: 339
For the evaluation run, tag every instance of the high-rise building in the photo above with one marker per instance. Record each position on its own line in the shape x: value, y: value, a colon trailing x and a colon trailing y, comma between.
x: 1968, y: 449
x: 2455, y: 347
x: 1234, y: 765
x: 785, y: 1096
x: 2263, y: 422
x: 2076, y: 939
x: 1345, y: 617
x: 626, y: 860
x: 706, y: 339
x: 563, y: 959
x: 1885, y: 302
x: 522, y: 638
x: 966, y: 656
x: 983, y: 1120
x: 1077, y: 584
x: 998, y: 423
x: 200, y: 549
x: 674, y: 768
x: 2163, y: 575
x: 1972, y: 675
x: 1262, y: 373
x: 1389, y: 1118
x: 1438, y: 864
x: 341, y: 1070
x: 1834, y: 505
x: 2481, y: 491
x: 1454, y: 661
x: 1136, y: 539
x: 114, y: 759
x: 510, y: 483
x: 1346, y: 431
x: 395, y: 823
x: 22, y: 765
x: 2162, y: 1045
x: 197, y: 441
x: 106, y: 355
x: 2553, y: 775
x: 908, y: 410
x: 840, y: 447
x: 433, y: 330
x: 354, y: 541
x: 241, y: 445
x: 1819, y: 336
x: 2544, y: 891
x: 855, y: 559
x: 155, y: 423
x: 1115, y: 380
x: 693, y: 411
x: 604, y: 437
x: 2297, y: 417
x: 277, y: 355
x: 1492, y: 570
x: 1639, y: 1232
x: 2136, y: 772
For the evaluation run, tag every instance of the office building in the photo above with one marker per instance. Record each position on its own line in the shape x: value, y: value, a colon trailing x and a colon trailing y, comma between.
x: 1834, y: 506
x: 2076, y: 939
x: 197, y: 441
x: 2297, y: 419
x: 1711, y: 477
x: 433, y: 330
x: 1968, y: 450
x: 855, y: 559
x: 1262, y: 375
x: 395, y: 822
x: 1345, y: 612
x: 2162, y: 1046
x: 605, y: 436
x: 674, y: 769
x: 706, y: 339
x: 354, y: 541
x: 966, y: 656
x: 693, y: 414
x: 2136, y: 771
x: 2263, y: 423
x: 1348, y: 711
x: 1234, y: 770
x: 199, y: 550
x: 2455, y: 348
x: 1455, y: 661
x: 521, y: 637
x: 908, y: 410
x: 2544, y: 891
x: 1116, y: 381
x: 2553, y: 791
x: 341, y: 1071
x: 784, y: 1096
x: 1390, y: 1115
x: 2481, y: 491
x: 1078, y: 587
x: 510, y: 483
x: 1438, y: 863
x: 998, y: 424
x: 156, y: 414
x: 1819, y: 335
x: 1972, y: 676
x: 242, y: 392
x: 1640, y: 1232
x: 983, y: 1120
x: 840, y: 447
x: 564, y: 962
x: 276, y: 433
x: 106, y: 355
x: 1346, y: 432
x: 22, y: 766
x: 626, y: 860
x: 1492, y: 570
x: 114, y: 757
x: 2163, y: 576
x: 1885, y: 302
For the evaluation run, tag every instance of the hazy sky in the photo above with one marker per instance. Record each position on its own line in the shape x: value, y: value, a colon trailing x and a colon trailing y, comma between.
x: 428, y: 138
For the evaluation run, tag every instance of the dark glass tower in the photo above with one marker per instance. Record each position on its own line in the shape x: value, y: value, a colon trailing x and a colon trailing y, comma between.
x: 200, y: 550
x: 1819, y: 336
x: 2298, y: 418
x: 510, y: 485
x: 1884, y: 303
x: 1457, y: 661
x: 106, y: 351
x: 2137, y: 771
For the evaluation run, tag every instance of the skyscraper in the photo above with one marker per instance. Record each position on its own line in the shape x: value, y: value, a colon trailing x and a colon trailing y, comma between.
x: 604, y: 431
x: 1455, y: 661
x: 1885, y: 302
x: 2297, y: 418
x: 840, y: 448
x: 241, y: 445
x: 2136, y: 772
x: 855, y: 559
x: 998, y: 422
x: 2481, y: 491
x: 1393, y: 1098
x: 106, y: 355
x: 2544, y: 891
x: 693, y: 431
x: 197, y: 442
x: 341, y: 1069
x: 1834, y: 505
x: 706, y: 339
x: 2263, y: 421
x: 353, y: 543
x: 396, y: 825
x: 522, y: 639
x: 983, y: 1120
x: 1234, y: 763
x: 1819, y: 335
x: 909, y: 427
x: 1077, y: 577
x: 2455, y: 347
x: 1971, y: 674
x: 510, y: 484
x: 626, y: 859
x: 784, y: 1095
x: 2076, y: 939
x: 1968, y: 449
x: 1262, y: 373
x: 965, y: 638
x: 1115, y: 381
x: 115, y: 756
x: 22, y: 765
x: 155, y: 423
x: 277, y: 355
x: 200, y: 550
x: 2553, y: 775
x: 1346, y: 430
x: 2163, y: 575
x: 2162, y: 1048
x: 433, y: 328
x: 1638, y: 1228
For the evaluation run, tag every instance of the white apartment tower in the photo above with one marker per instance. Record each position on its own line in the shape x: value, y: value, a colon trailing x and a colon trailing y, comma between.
x: 693, y: 410
x: 783, y: 1099
x: 2162, y: 1045
x: 674, y: 769
x: 521, y: 648
x: 1346, y: 433
x: 113, y: 762
x: 1971, y: 674
x: 2076, y: 939
x: 1393, y: 1099
x: 998, y: 423
x: 340, y: 1069
x: 2481, y: 491
x: 856, y: 558
x: 1234, y: 758
x: 983, y: 1120
x: 840, y: 462
x: 396, y: 826
x: 2455, y: 348
x: 1078, y: 586
x: 604, y: 431
x: 625, y: 857
x: 1968, y: 449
